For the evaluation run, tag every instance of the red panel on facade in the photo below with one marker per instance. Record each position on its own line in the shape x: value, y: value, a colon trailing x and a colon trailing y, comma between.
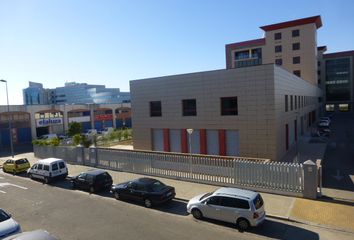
x: 249, y: 43
x: 203, y: 141
x: 222, y: 143
x: 338, y: 54
x: 103, y: 117
x: 184, y: 142
x: 166, y: 140
x: 316, y: 20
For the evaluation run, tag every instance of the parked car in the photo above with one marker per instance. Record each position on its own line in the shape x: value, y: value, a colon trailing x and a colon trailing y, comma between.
x: 242, y: 207
x: 92, y: 180
x: 8, y: 226
x: 32, y: 235
x: 16, y: 165
x: 147, y: 190
x: 323, y: 123
x: 48, y: 136
x: 48, y: 169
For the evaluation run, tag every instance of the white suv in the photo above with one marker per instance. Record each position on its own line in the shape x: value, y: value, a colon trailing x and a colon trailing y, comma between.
x: 242, y: 207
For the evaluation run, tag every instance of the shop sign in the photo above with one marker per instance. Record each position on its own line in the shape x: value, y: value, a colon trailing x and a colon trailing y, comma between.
x: 49, y: 121
x: 103, y: 117
x: 80, y: 119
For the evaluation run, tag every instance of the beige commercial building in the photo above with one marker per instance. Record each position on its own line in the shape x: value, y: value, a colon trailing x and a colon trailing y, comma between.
x: 257, y: 107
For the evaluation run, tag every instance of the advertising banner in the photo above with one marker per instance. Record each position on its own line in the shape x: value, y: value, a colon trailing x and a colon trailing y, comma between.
x: 80, y: 119
x: 48, y: 122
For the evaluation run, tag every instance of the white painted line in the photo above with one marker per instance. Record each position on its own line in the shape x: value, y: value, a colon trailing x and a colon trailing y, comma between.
x: 14, y: 185
x: 2, y: 191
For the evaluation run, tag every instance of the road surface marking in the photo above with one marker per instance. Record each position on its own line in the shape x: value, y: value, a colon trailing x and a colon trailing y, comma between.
x: 2, y: 191
x: 10, y: 184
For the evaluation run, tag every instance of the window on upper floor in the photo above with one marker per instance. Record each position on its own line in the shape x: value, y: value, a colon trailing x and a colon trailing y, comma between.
x: 291, y: 102
x: 277, y: 36
x: 296, y: 60
x: 296, y: 33
x: 297, y: 73
x: 279, y: 61
x: 242, y: 55
x: 229, y: 106
x: 277, y: 48
x: 286, y: 103
x: 296, y: 46
x: 155, y: 109
x: 189, y: 107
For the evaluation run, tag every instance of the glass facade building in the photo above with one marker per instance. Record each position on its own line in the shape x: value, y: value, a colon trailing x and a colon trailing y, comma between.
x: 74, y: 93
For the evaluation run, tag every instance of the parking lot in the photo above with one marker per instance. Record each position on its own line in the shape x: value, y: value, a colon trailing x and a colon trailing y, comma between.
x: 74, y: 214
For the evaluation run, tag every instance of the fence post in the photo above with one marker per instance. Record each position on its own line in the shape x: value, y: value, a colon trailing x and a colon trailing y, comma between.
x: 310, y: 179
x: 79, y: 154
x: 93, y: 156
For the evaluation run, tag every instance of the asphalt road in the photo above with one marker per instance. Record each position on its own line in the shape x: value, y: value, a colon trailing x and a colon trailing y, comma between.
x: 73, y: 214
x: 338, y: 162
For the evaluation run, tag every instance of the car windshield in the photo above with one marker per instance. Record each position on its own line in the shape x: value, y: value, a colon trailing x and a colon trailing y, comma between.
x: 157, y: 186
x: 3, y: 216
x: 258, y: 201
x: 21, y: 161
x: 205, y: 196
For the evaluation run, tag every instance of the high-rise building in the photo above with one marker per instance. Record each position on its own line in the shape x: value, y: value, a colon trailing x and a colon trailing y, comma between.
x: 337, y: 73
x: 291, y: 45
x: 35, y: 94
x: 74, y: 93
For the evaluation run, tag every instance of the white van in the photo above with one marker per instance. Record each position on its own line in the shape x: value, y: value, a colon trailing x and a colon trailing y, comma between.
x: 48, y: 169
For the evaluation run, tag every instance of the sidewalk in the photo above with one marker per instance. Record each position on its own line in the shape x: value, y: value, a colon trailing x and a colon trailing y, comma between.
x: 315, y: 212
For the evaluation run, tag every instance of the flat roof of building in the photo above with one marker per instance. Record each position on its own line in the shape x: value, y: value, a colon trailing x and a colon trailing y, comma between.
x: 250, y: 43
x: 315, y: 19
x: 339, y: 54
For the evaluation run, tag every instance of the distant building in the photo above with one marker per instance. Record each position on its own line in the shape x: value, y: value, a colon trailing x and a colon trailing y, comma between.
x: 35, y: 94
x: 337, y: 69
x: 74, y: 93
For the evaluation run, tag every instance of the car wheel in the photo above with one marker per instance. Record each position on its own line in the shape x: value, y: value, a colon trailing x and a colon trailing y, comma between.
x: 46, y: 180
x: 117, y: 195
x: 30, y: 176
x: 243, y: 224
x: 147, y: 203
x: 73, y: 186
x: 92, y: 189
x: 197, y: 214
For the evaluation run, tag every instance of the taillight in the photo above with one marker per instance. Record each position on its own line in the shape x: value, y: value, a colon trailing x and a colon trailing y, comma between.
x: 255, y: 215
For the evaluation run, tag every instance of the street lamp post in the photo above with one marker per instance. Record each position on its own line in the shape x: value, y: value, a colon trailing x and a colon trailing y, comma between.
x: 190, y: 131
x: 9, y: 118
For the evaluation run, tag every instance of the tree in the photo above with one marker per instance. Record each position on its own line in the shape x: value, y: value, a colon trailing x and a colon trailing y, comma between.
x: 74, y: 128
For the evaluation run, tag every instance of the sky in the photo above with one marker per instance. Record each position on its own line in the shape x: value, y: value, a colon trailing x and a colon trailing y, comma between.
x: 113, y: 42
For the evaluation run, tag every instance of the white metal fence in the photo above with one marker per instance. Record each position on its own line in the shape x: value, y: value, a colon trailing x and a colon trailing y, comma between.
x: 250, y: 173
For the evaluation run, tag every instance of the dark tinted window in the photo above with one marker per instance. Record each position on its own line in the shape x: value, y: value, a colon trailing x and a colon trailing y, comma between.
x: 296, y: 33
x: 54, y: 166
x: 3, y: 216
x: 277, y: 36
x: 258, y: 201
x: 229, y: 106
x: 214, y: 200
x: 189, y: 107
x: 21, y: 161
x: 61, y: 165
x: 296, y: 46
x: 157, y: 186
x: 228, y: 202
x: 279, y: 61
x: 155, y: 109
x: 140, y: 187
x: 89, y: 178
x: 278, y: 48
x: 40, y: 166
x: 240, y: 203
x: 297, y: 73
x: 286, y: 103
x: 296, y: 60
x: 82, y: 176
x: 46, y: 167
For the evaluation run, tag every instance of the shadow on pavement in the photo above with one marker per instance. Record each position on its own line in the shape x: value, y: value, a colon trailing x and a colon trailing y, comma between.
x: 274, y: 229
x: 172, y: 207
